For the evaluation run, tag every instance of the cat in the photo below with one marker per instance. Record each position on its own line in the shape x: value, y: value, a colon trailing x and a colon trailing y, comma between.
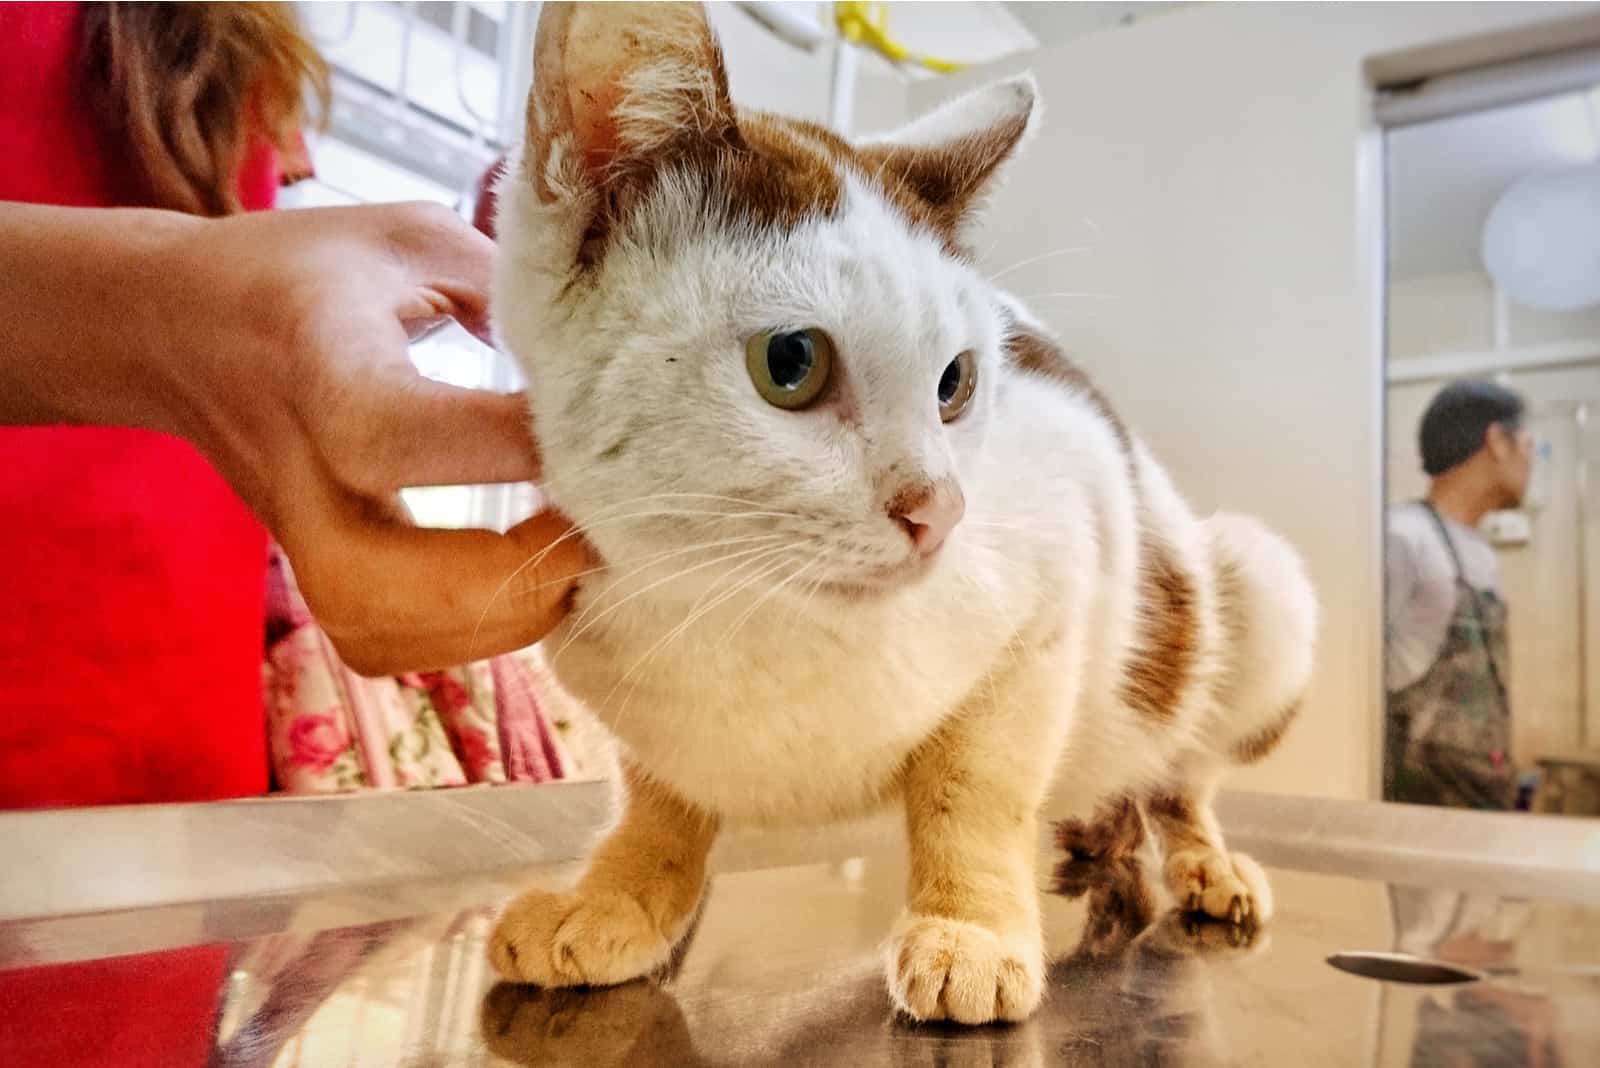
x: 868, y: 535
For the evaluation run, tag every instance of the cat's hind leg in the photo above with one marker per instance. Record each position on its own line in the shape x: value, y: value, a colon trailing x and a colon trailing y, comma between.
x: 1199, y: 870
x: 1268, y: 612
x: 633, y: 905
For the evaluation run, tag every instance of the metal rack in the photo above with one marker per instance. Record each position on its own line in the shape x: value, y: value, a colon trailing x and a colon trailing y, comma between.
x: 433, y: 88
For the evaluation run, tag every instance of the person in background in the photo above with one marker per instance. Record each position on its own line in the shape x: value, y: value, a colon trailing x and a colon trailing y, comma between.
x: 1448, y: 729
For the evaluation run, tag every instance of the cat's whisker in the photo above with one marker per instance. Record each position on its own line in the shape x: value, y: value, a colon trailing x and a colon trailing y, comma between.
x: 681, y: 494
x: 691, y: 619
x: 583, y: 529
x: 724, y: 497
x: 802, y: 603
x: 1067, y: 251
x: 644, y: 563
x: 669, y: 495
x: 1003, y: 617
x: 673, y: 577
x: 704, y: 605
x: 756, y: 560
x: 771, y: 593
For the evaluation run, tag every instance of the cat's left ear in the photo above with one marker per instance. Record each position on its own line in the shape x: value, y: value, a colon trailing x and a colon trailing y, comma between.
x: 952, y: 157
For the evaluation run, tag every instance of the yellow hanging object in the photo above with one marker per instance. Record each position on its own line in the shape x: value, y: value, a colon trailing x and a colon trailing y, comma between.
x: 867, y: 25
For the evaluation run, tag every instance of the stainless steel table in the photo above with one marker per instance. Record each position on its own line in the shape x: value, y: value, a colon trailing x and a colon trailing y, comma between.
x: 316, y: 964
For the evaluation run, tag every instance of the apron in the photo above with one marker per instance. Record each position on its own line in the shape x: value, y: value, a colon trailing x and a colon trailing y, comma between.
x: 1448, y: 735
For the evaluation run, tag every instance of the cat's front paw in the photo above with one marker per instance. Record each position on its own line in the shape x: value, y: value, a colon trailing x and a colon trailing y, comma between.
x: 1224, y: 886
x: 944, y: 969
x: 598, y: 938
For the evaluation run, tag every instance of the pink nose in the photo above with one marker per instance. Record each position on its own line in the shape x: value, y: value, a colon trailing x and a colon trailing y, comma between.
x: 928, y: 511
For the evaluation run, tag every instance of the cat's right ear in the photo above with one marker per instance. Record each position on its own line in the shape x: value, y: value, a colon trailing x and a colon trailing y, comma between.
x: 617, y: 90
x: 951, y: 158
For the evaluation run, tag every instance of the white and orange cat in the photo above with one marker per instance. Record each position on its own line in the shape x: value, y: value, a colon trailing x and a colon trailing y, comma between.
x: 870, y: 537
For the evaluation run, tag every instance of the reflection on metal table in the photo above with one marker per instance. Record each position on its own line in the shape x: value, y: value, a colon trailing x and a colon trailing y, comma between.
x: 784, y: 968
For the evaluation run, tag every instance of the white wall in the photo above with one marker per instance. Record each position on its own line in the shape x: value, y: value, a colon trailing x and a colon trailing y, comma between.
x: 1434, y: 314
x: 1218, y: 162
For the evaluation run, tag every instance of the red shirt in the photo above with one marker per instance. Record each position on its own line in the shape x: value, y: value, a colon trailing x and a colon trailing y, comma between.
x: 131, y: 623
x: 131, y: 613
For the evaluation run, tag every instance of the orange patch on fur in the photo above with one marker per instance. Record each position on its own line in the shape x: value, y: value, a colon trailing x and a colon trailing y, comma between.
x: 1114, y: 831
x: 1172, y: 810
x: 785, y: 174
x: 1037, y: 354
x: 1155, y: 677
x: 1255, y: 746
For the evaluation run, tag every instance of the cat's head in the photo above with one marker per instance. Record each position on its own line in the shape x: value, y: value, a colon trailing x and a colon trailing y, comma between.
x: 741, y: 332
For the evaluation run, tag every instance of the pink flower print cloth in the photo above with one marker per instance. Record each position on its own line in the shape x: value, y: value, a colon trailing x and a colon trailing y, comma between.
x: 331, y: 730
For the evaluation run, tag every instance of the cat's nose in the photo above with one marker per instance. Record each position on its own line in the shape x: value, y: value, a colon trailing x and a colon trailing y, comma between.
x: 928, y: 511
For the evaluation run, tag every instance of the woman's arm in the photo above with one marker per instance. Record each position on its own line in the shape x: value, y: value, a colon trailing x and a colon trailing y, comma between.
x: 276, y: 344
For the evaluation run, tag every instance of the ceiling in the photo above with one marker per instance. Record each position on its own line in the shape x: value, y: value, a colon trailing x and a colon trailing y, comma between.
x: 1445, y: 176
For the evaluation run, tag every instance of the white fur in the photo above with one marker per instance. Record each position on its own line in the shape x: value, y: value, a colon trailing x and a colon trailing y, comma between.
x: 710, y: 645
x: 723, y: 643
x: 803, y: 706
x: 970, y: 113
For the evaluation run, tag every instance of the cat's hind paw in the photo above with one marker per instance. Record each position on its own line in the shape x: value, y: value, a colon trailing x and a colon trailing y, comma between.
x: 1224, y: 886
x: 945, y: 969
x: 596, y: 939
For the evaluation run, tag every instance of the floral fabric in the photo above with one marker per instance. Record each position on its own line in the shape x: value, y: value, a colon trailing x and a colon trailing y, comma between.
x: 331, y: 730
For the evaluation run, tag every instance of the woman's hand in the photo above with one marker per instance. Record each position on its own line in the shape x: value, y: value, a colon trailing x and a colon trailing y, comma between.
x: 276, y: 343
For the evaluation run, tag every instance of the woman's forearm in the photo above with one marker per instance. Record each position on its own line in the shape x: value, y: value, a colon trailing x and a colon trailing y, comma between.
x: 276, y: 343
x: 80, y: 327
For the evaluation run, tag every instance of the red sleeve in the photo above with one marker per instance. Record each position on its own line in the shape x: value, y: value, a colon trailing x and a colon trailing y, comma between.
x: 132, y: 632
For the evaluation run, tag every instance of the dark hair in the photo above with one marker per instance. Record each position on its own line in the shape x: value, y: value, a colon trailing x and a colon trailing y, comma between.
x: 1458, y: 419
x: 184, y: 86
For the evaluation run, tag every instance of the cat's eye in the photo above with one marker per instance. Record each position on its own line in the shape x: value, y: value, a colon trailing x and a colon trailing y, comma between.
x: 790, y: 368
x: 957, y: 385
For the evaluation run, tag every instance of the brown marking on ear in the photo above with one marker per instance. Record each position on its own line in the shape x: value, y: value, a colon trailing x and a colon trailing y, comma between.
x: 830, y: 143
x: 937, y: 186
x: 785, y: 173
x: 1036, y: 354
x: 766, y: 176
x: 1255, y: 746
x: 1155, y: 676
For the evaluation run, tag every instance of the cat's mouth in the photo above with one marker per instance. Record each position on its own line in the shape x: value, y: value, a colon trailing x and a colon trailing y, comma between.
x: 881, y: 581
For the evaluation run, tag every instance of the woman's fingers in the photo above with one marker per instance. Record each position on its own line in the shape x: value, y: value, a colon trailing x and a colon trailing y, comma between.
x: 393, y: 597
x: 399, y: 429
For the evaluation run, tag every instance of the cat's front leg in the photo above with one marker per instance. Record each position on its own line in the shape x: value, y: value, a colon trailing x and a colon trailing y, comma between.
x: 968, y: 947
x: 632, y: 906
